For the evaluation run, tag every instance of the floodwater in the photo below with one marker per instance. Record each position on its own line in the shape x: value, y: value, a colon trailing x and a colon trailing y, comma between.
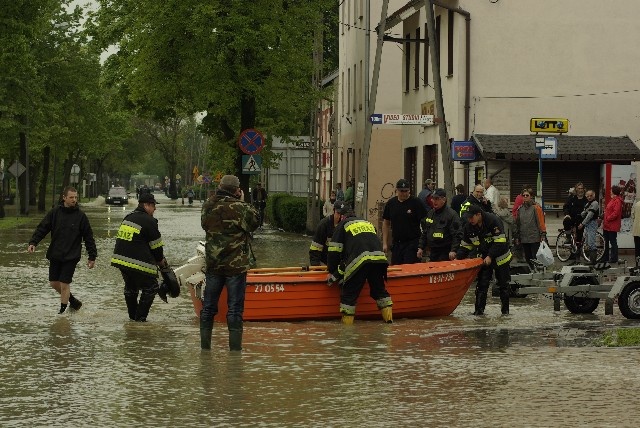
x: 93, y: 367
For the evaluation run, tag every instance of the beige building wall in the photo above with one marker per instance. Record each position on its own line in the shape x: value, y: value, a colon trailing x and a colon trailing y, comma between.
x: 572, y: 59
x: 385, y: 156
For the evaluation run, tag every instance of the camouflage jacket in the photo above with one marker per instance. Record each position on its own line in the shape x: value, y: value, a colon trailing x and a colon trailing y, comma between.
x: 228, y: 223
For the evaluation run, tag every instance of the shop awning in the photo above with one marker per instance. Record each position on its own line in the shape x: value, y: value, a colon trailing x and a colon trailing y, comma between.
x: 570, y: 148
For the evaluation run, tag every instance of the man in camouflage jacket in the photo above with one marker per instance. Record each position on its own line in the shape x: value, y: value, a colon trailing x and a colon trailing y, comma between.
x: 228, y: 222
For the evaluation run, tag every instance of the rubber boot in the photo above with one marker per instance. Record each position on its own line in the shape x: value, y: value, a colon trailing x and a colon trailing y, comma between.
x: 347, y: 319
x: 504, y: 300
x: 481, y: 302
x: 144, y: 305
x: 206, y: 329
x: 74, y: 303
x: 593, y: 257
x: 235, y: 335
x: 387, y: 314
x: 132, y: 305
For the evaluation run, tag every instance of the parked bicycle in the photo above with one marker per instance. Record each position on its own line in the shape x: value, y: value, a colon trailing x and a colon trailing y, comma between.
x: 566, y: 249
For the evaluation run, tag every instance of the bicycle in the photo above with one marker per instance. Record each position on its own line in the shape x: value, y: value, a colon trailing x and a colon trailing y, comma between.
x: 566, y: 250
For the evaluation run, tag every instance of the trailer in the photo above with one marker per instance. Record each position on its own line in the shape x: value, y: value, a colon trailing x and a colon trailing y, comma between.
x: 581, y: 287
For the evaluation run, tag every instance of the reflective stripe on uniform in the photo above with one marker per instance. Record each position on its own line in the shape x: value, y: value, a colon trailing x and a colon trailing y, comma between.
x: 504, y: 258
x: 335, y: 246
x: 134, y: 264
x: 384, y: 302
x: 315, y: 246
x: 347, y: 309
x: 438, y: 235
x: 363, y: 257
x: 156, y: 244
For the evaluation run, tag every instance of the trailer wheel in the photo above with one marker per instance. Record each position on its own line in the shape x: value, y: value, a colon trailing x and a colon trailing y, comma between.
x: 581, y: 305
x: 629, y: 300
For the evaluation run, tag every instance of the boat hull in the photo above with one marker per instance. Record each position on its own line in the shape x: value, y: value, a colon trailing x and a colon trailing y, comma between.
x: 418, y: 291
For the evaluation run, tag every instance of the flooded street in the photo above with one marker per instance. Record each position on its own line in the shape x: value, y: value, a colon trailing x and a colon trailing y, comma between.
x: 94, y: 367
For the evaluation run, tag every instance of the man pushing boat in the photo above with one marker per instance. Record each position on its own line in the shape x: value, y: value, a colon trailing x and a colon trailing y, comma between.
x: 354, y: 256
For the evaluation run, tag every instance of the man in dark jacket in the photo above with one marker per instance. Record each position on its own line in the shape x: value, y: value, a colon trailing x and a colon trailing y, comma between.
x: 69, y: 226
x: 320, y: 241
x: 228, y: 222
x: 401, y: 218
x: 259, y: 199
x: 441, y: 230
x: 484, y: 232
x: 138, y: 253
x: 572, y: 210
x: 475, y: 198
x: 355, y: 256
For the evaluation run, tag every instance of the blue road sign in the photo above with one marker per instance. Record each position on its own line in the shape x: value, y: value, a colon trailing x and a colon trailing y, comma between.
x: 251, y: 141
x: 251, y: 164
x: 376, y: 118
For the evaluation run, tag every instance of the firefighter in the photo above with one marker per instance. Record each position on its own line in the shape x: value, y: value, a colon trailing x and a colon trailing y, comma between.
x: 354, y: 256
x: 484, y: 233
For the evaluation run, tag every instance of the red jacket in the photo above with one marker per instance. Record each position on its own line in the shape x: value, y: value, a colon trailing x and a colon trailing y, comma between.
x: 613, y: 215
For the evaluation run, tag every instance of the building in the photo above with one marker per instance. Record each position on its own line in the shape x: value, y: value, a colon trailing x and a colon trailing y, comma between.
x: 354, y: 76
x: 503, y: 63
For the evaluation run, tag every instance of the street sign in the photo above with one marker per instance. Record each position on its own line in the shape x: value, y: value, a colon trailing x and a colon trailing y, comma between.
x: 251, y: 141
x: 463, y: 151
x: 555, y: 126
x: 401, y: 119
x: 548, y: 147
x: 251, y: 164
x: 17, y: 169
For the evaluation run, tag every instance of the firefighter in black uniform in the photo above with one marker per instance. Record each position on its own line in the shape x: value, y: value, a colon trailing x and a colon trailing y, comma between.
x: 441, y: 230
x: 324, y: 232
x: 138, y: 253
x: 484, y: 232
x: 355, y: 256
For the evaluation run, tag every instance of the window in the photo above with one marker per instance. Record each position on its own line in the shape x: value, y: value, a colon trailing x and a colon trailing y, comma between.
x: 407, y: 63
x: 348, y: 91
x: 355, y: 86
x: 416, y: 70
x: 361, y: 9
x: 425, y: 72
x: 450, y: 44
x: 361, y: 84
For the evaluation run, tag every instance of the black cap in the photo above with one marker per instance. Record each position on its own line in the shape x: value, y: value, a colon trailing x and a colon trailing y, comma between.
x: 342, y: 208
x: 147, y: 198
x: 402, y: 184
x: 439, y: 193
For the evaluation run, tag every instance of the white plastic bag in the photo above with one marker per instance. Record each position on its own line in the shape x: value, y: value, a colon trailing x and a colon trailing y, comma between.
x: 544, y: 254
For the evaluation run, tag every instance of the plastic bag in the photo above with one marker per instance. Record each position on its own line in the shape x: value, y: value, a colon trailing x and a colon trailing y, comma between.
x: 544, y: 254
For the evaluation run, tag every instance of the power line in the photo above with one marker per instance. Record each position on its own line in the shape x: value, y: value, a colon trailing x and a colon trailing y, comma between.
x: 562, y: 96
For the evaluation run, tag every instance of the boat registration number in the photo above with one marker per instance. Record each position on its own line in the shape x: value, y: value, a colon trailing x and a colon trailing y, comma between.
x: 441, y: 277
x: 269, y: 288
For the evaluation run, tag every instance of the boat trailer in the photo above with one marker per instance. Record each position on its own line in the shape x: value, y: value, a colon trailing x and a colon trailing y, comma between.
x: 581, y: 287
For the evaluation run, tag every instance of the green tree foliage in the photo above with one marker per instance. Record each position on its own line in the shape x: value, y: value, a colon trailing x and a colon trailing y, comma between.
x: 246, y: 64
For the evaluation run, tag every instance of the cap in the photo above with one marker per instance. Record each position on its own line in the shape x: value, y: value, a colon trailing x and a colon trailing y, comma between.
x: 402, y: 184
x: 342, y: 208
x: 230, y: 180
x: 147, y: 198
x: 428, y: 181
x: 439, y: 193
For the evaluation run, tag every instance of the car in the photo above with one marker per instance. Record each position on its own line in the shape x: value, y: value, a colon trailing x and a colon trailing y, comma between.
x: 117, y: 196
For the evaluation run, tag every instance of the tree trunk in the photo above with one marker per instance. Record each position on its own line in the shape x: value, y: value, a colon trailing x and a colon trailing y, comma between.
x: 247, y: 121
x: 22, y: 180
x: 42, y: 191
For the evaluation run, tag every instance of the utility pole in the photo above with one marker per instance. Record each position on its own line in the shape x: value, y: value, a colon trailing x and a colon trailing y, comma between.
x: 361, y: 206
x: 445, y: 146
x: 313, y: 197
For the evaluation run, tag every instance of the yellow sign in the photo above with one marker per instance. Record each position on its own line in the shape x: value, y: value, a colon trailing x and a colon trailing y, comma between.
x: 556, y: 126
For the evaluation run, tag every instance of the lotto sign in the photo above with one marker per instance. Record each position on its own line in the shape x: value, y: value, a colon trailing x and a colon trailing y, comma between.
x: 556, y: 126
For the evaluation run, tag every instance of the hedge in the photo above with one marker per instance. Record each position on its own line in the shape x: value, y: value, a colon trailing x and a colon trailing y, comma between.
x: 288, y: 212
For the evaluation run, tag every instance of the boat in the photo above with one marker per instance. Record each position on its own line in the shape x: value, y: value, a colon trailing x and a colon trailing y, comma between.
x: 420, y: 290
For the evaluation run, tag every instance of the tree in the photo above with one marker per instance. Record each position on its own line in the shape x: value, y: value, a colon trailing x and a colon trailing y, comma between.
x: 246, y: 64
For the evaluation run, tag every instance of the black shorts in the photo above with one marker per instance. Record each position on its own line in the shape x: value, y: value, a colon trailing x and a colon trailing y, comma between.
x: 62, y: 271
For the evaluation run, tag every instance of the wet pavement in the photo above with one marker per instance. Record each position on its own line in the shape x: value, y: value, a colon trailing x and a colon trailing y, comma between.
x: 535, y: 367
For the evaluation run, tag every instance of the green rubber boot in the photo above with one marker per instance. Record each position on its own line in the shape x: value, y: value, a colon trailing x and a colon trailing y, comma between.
x: 206, y: 329
x: 235, y: 335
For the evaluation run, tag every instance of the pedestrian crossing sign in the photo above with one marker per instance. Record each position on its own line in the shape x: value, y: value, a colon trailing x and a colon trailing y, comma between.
x: 251, y: 164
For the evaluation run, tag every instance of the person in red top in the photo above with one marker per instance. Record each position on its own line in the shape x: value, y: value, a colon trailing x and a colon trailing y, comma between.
x: 611, y: 226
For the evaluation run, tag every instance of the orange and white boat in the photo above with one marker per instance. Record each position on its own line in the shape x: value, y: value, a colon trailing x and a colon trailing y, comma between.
x: 295, y: 294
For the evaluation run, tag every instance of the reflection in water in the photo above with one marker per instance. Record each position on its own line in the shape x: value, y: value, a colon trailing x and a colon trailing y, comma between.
x: 95, y: 368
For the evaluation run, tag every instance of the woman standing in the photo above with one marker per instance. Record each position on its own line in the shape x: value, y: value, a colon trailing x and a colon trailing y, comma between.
x: 611, y: 225
x: 327, y: 208
x: 530, y: 228
x: 590, y: 225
